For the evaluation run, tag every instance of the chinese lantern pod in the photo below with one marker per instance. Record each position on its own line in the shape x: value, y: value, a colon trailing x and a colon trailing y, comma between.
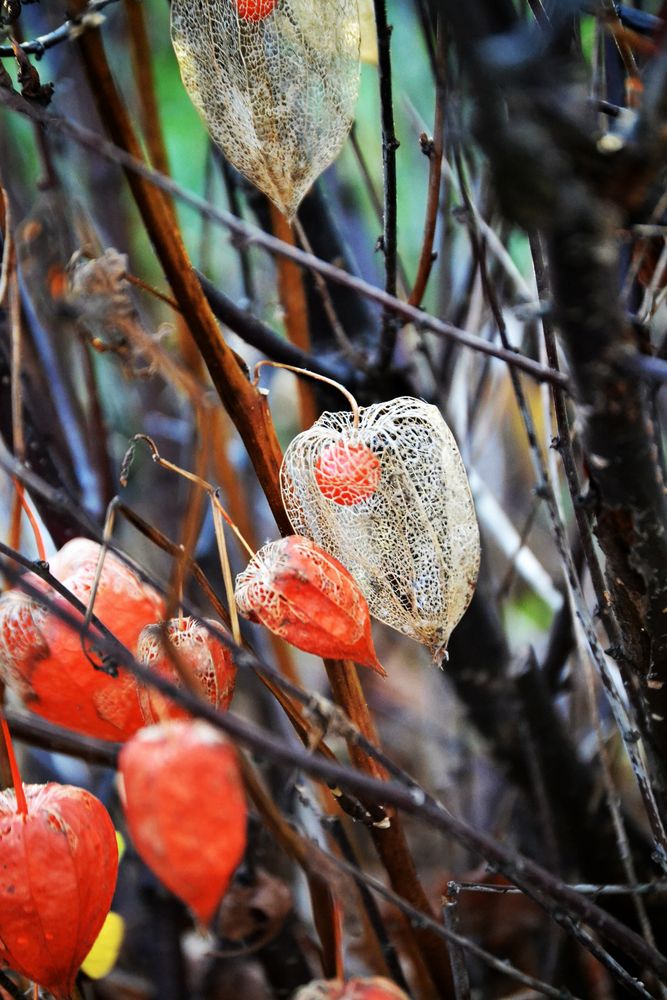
x: 305, y: 595
x: 375, y: 988
x: 185, y: 808
x: 276, y: 83
x: 206, y: 656
x: 412, y: 544
x: 52, y: 674
x: 57, y: 879
x: 21, y: 640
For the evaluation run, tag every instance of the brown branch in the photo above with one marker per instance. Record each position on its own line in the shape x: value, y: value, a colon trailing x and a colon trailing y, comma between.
x: 247, y: 407
x: 295, y: 307
x: 434, y: 150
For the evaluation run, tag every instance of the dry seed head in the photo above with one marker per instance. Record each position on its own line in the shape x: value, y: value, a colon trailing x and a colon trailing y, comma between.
x: 413, y: 543
x: 276, y: 84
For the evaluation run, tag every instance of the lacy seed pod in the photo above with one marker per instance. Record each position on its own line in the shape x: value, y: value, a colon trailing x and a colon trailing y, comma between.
x: 304, y: 595
x: 57, y: 879
x: 185, y: 807
x: 41, y: 656
x: 207, y: 657
x: 412, y: 541
x: 276, y: 83
x: 375, y: 988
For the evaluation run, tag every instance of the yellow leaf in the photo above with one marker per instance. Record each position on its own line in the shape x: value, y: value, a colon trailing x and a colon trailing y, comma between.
x: 101, y: 958
x: 120, y: 840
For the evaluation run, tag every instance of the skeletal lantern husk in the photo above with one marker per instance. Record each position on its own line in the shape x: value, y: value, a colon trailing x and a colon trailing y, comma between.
x: 303, y: 594
x: 412, y: 543
x: 276, y: 84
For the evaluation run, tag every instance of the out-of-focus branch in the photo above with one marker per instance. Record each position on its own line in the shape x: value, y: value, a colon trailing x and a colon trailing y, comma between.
x: 38, y: 46
x: 552, y: 174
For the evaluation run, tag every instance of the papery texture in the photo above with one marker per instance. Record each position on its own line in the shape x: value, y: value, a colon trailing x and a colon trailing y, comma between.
x: 58, y: 868
x: 276, y: 83
x: 207, y: 657
x: 412, y: 541
x: 185, y: 808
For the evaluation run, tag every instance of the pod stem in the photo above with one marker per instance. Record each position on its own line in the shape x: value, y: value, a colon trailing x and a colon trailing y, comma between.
x: 25, y: 506
x: 21, y: 801
x: 219, y: 515
x: 213, y: 492
x: 354, y: 406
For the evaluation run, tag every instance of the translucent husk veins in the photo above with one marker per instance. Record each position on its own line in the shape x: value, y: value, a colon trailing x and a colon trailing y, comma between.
x: 277, y: 92
x: 412, y: 543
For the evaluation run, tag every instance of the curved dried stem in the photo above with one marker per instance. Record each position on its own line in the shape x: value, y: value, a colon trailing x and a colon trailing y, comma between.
x: 354, y: 406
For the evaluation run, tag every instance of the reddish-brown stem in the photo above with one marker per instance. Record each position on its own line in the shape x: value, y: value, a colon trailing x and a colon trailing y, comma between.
x: 21, y: 801
x: 39, y: 541
x: 389, y: 839
x: 434, y: 153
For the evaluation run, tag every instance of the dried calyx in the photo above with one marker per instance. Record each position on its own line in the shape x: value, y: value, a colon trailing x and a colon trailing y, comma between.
x: 403, y: 524
x: 276, y: 83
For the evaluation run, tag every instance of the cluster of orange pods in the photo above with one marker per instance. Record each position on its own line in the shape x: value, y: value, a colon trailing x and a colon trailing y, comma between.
x: 190, y: 831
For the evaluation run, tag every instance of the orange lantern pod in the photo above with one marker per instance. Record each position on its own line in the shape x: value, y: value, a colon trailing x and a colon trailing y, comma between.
x: 58, y: 870
x: 347, y: 472
x: 52, y: 673
x: 301, y: 593
x: 206, y: 656
x: 255, y: 10
x: 185, y: 808
x: 375, y: 988
x: 21, y: 640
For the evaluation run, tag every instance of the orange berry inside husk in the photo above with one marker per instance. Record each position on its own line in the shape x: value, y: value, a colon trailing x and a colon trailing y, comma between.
x: 347, y: 472
x: 255, y: 10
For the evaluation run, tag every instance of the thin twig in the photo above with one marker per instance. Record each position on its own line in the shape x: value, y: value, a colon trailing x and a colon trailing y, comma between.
x: 38, y: 46
x: 252, y: 235
x: 389, y: 146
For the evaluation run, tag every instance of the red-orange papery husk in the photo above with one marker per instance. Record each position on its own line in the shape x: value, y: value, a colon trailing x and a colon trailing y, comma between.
x: 185, y: 808
x: 301, y: 593
x: 375, y: 988
x: 58, y: 867
x: 209, y: 660
x: 41, y: 656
